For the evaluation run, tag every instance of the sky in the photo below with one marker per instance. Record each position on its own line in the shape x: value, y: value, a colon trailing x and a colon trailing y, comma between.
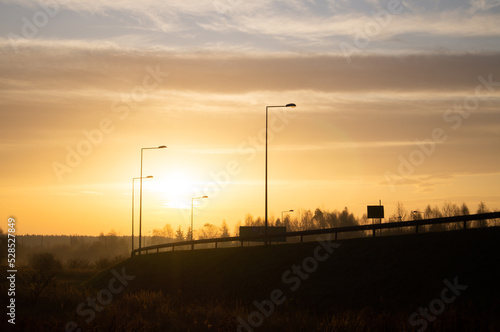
x: 397, y: 101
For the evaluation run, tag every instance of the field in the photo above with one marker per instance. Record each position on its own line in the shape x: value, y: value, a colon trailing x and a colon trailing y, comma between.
x: 434, y: 281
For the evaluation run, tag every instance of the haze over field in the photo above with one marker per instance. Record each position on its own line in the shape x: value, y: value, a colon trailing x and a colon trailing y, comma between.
x: 397, y: 101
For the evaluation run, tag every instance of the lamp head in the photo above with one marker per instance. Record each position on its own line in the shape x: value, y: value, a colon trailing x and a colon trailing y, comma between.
x: 291, y: 105
x: 162, y: 147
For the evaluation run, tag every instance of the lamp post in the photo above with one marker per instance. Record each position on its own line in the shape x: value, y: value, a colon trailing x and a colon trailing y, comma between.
x: 140, y: 204
x: 147, y: 177
x: 192, y: 208
x: 267, y: 107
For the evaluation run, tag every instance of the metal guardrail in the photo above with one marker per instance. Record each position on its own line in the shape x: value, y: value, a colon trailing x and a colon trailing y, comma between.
x: 335, y: 230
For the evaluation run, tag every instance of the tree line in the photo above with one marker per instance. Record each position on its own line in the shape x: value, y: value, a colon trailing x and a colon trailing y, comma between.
x: 320, y: 219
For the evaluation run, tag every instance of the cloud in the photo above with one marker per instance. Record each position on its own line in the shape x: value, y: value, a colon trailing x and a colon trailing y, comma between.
x: 103, y: 69
x: 303, y: 26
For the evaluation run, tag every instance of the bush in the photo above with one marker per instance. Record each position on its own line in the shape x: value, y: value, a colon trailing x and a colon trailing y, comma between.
x: 43, y: 270
x: 78, y: 264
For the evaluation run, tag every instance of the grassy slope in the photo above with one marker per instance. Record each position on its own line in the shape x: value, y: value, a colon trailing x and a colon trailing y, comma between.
x: 389, y: 273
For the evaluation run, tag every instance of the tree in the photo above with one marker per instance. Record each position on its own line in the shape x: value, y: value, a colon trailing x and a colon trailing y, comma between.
x: 237, y: 228
x: 271, y: 221
x: 346, y: 218
x: 416, y: 215
x: 306, y: 221
x: 249, y: 220
x: 435, y: 213
x: 166, y: 232
x: 208, y: 231
x: 450, y: 210
x: 291, y: 224
x: 481, y: 208
x: 319, y: 219
x: 42, y: 274
x: 401, y: 212
x: 332, y: 219
x: 179, y: 234
x: 464, y: 210
x: 224, y: 229
x: 428, y: 212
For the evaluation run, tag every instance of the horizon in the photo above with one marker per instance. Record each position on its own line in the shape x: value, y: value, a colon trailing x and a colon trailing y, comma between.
x: 396, y: 101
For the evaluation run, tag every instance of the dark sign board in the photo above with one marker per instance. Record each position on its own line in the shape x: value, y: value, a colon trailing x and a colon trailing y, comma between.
x: 376, y: 211
x: 247, y: 232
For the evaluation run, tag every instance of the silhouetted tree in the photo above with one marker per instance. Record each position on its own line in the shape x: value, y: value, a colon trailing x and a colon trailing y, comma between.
x: 346, y: 218
x: 78, y: 264
x: 415, y: 215
x: 401, y: 213
x: 435, y: 213
x: 481, y: 208
x: 451, y: 210
x: 464, y: 210
x: 249, y: 220
x: 166, y: 232
x: 332, y: 219
x: 224, y: 229
x: 237, y: 228
x: 43, y: 269
x: 428, y: 212
x: 306, y: 221
x: 208, y: 231
x: 319, y: 219
x: 179, y: 234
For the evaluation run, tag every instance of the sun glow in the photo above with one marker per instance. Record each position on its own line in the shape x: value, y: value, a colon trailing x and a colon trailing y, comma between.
x: 173, y: 191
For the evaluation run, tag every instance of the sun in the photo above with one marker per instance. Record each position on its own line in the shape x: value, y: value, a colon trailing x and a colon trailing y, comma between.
x: 173, y: 190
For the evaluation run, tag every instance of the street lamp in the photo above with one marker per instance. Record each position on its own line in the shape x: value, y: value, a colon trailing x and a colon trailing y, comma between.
x: 192, y: 207
x: 147, y: 177
x: 267, y: 107
x: 140, y: 204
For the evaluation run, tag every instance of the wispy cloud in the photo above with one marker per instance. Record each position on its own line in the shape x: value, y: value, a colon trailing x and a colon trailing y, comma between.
x: 272, y: 26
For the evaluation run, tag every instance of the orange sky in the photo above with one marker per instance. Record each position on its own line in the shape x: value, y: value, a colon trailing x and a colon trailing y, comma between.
x: 360, y: 131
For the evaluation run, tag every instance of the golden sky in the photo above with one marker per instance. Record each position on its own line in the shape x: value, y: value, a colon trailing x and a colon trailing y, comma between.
x: 412, y: 115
